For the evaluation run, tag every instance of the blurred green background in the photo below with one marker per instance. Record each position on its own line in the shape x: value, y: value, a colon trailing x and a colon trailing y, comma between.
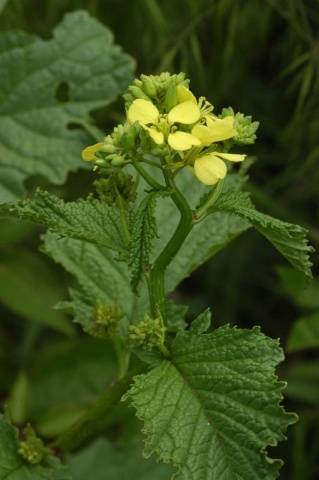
x: 261, y: 57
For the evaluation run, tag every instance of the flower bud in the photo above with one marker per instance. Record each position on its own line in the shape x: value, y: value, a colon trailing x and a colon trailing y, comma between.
x: 116, y: 160
x: 149, y: 333
x: 32, y: 449
x: 149, y: 86
x: 138, y: 92
x: 108, y: 148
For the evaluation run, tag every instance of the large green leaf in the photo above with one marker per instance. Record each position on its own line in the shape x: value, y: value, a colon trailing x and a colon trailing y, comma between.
x: 12, y: 467
x: 102, y: 460
x: 212, y: 409
x: 45, y: 87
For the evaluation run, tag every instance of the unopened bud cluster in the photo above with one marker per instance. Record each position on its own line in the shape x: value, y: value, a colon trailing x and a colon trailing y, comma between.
x: 148, y: 334
x: 32, y: 449
x: 160, y: 89
x: 105, y: 320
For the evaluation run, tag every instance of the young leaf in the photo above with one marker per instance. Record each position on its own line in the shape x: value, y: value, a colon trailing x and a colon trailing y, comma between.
x: 13, y: 467
x: 102, y: 461
x: 143, y: 231
x: 45, y: 87
x: 201, y: 323
x: 289, y: 239
x: 90, y: 219
x: 213, y: 408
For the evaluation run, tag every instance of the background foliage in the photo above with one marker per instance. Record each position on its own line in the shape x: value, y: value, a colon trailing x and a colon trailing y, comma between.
x: 261, y: 57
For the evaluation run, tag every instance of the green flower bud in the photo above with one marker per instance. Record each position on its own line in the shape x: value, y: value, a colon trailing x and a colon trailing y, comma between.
x: 138, y: 82
x: 137, y: 92
x: 108, y: 148
x: 116, y: 160
x: 246, y: 128
x: 105, y: 320
x: 148, y: 334
x: 32, y: 449
x: 149, y: 86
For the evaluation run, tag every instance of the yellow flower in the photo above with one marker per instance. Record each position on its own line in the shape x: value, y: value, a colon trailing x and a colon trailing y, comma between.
x: 215, y: 130
x: 184, y: 95
x: 186, y: 113
x: 211, y: 168
x: 88, y: 154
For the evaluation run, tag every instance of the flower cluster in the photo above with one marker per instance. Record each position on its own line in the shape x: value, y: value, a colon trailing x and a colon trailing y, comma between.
x: 166, y: 120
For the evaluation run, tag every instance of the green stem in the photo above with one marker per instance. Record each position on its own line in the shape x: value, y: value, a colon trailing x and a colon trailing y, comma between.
x: 210, y: 200
x: 99, y: 416
x: 148, y: 178
x: 156, y: 283
x: 122, y: 355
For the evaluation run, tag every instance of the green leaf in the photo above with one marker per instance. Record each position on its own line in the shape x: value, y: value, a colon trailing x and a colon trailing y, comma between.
x: 213, y: 408
x: 12, y: 467
x: 201, y: 323
x: 143, y: 232
x: 102, y: 278
x: 102, y: 460
x: 289, y: 239
x: 175, y: 316
x: 90, y: 219
x: 48, y: 85
x: 304, y: 333
x: 21, y: 291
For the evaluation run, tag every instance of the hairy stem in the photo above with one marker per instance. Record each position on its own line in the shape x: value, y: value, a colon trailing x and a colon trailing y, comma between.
x: 157, y: 283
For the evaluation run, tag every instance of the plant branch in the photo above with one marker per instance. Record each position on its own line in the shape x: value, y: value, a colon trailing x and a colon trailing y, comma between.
x: 156, y: 283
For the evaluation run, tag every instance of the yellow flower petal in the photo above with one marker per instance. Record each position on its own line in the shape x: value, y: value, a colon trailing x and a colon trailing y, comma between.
x: 231, y: 157
x: 186, y: 112
x: 209, y: 169
x: 88, y: 153
x: 216, y: 130
x: 156, y: 136
x: 142, y: 111
x: 181, y: 141
x: 185, y: 95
